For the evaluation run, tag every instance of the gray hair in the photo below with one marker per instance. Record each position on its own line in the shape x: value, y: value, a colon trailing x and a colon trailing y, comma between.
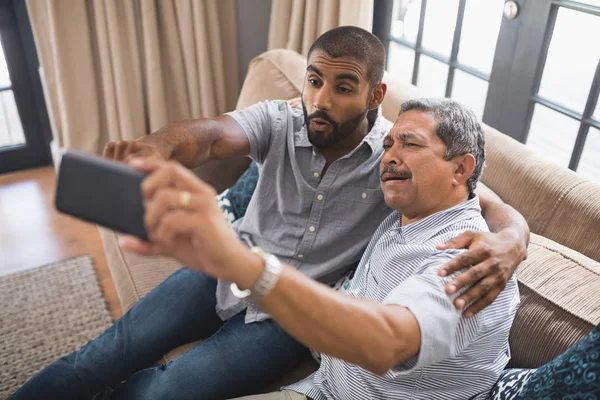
x: 458, y: 128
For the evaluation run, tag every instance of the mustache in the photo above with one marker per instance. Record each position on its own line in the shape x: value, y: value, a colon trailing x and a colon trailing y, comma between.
x: 395, y: 172
x: 322, y: 115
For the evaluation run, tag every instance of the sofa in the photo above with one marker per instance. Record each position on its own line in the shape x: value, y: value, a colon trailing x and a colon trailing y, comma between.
x: 559, y: 282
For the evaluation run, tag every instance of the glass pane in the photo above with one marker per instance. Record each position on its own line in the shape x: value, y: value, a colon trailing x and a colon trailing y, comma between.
x: 589, y: 164
x: 471, y: 91
x: 405, y: 22
x: 572, y: 59
x: 11, y: 131
x: 440, y: 21
x: 401, y: 60
x: 4, y: 78
x: 432, y: 77
x: 481, y: 24
x: 552, y: 135
x: 592, y: 2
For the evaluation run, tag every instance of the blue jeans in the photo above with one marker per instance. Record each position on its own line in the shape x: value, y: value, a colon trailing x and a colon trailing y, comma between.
x: 237, y: 358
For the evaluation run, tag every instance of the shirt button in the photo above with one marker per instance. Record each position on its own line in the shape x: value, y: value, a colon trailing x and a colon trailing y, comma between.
x: 364, y: 195
x: 320, y: 197
x: 312, y: 228
x: 300, y: 256
x: 316, y: 174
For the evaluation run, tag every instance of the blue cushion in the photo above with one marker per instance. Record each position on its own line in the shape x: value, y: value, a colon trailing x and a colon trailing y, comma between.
x: 234, y: 201
x: 575, y: 374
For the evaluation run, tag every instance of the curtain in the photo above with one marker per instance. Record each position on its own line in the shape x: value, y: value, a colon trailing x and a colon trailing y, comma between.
x: 296, y: 24
x: 119, y: 69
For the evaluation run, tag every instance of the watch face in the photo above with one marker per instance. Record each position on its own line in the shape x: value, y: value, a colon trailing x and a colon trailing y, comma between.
x: 240, y: 294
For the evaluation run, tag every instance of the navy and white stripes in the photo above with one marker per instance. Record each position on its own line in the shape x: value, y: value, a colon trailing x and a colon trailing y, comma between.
x: 459, y: 358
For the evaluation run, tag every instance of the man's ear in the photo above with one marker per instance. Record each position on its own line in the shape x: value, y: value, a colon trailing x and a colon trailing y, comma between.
x: 464, y: 167
x: 377, y: 95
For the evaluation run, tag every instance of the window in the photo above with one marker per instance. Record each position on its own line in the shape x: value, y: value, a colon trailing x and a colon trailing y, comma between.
x: 24, y: 126
x: 445, y: 47
x: 11, y: 130
x: 534, y: 76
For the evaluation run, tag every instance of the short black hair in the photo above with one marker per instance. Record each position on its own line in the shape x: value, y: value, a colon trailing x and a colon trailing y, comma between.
x: 355, y: 42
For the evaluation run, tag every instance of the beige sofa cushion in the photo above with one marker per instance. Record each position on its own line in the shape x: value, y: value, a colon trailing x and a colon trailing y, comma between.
x: 575, y: 221
x: 559, y: 302
x: 134, y: 276
x: 273, y: 75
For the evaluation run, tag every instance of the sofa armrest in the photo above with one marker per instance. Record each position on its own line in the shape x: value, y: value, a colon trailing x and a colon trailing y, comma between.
x: 134, y: 276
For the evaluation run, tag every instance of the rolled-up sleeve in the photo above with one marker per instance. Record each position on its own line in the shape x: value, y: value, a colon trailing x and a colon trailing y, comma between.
x: 257, y: 122
x: 444, y: 331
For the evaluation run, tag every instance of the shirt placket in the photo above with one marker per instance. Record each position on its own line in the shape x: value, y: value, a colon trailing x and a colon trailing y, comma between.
x: 321, y: 196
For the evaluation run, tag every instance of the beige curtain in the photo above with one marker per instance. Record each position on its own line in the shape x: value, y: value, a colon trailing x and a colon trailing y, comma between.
x: 296, y: 24
x: 118, y: 69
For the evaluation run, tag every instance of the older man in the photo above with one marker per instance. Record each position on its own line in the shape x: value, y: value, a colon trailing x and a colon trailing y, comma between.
x: 395, y: 332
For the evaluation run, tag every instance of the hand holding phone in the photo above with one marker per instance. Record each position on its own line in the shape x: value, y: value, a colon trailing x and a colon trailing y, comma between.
x: 101, y: 191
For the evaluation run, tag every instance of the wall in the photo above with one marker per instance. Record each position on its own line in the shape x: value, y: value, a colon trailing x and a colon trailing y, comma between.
x: 253, y: 30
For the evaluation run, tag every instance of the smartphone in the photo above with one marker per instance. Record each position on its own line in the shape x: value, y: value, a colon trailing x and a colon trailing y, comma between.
x: 101, y: 191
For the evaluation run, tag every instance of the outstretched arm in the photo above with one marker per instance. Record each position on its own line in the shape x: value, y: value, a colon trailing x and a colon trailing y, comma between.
x: 191, y: 142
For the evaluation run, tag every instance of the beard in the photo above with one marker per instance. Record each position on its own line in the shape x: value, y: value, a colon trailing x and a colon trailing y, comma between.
x: 338, y: 132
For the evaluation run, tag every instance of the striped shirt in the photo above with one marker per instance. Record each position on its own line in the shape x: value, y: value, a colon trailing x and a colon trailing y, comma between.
x: 318, y: 223
x: 459, y: 358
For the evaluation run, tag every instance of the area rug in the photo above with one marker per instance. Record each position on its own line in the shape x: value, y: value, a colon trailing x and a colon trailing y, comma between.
x: 46, y: 313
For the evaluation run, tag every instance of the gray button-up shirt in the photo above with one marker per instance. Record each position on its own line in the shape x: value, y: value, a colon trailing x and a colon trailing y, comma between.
x: 318, y: 223
x: 459, y: 358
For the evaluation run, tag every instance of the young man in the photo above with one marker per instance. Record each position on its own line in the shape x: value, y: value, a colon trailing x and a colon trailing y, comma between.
x: 317, y: 204
x: 395, y: 333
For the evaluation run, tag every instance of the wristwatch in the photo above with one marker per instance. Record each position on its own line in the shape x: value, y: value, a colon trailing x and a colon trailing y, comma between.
x: 266, y: 281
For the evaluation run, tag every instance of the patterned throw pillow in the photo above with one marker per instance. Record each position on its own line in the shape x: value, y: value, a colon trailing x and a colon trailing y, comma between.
x: 575, y: 374
x: 234, y: 201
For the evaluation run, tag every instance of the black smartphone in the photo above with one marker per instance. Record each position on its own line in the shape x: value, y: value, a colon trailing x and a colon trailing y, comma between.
x: 101, y: 191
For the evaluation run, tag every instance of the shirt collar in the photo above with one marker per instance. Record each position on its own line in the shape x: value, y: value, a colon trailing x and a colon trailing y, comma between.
x: 426, y: 228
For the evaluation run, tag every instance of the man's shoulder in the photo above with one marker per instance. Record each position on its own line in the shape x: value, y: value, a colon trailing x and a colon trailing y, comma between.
x: 475, y: 223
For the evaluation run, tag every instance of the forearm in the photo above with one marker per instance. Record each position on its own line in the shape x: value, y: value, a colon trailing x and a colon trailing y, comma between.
x: 194, y: 142
x: 500, y: 217
x: 357, y: 330
x: 186, y: 141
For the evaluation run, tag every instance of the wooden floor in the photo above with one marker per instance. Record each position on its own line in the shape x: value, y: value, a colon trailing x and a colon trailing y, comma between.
x: 33, y: 233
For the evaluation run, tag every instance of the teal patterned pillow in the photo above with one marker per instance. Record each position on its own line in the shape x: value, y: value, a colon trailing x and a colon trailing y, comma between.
x: 575, y: 374
x: 234, y: 201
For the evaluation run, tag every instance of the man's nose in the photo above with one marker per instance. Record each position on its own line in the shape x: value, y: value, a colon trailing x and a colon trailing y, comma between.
x: 391, y: 157
x: 322, y: 100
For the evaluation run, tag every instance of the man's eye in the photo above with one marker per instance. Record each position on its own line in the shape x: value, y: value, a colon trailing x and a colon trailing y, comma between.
x: 387, y: 146
x: 411, y: 145
x: 344, y: 89
x: 313, y: 82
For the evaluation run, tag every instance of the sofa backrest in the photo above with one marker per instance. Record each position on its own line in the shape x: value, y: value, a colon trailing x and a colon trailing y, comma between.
x: 558, y: 285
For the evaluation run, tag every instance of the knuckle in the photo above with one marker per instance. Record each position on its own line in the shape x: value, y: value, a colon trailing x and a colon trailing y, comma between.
x: 476, y: 274
x: 495, y: 265
x: 486, y: 250
x: 485, y: 287
x: 500, y: 282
